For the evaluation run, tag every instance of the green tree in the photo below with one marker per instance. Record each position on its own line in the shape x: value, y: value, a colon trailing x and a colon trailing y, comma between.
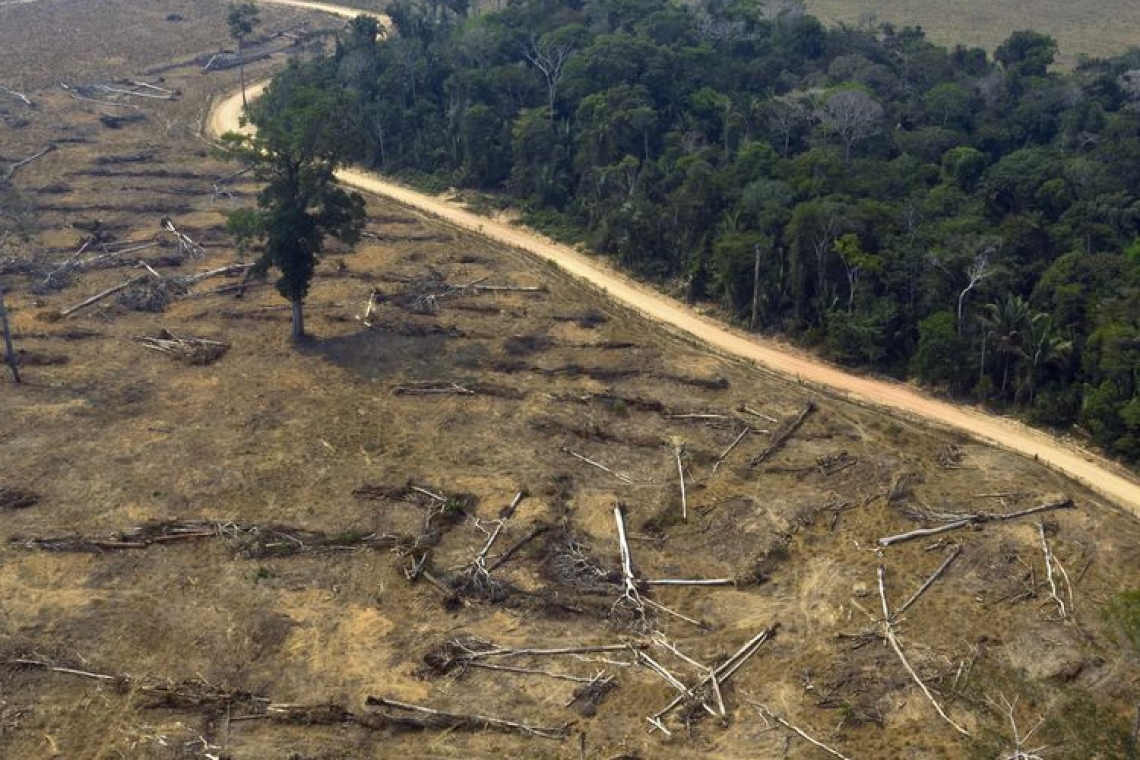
x: 296, y: 150
x: 241, y: 19
x: 943, y: 355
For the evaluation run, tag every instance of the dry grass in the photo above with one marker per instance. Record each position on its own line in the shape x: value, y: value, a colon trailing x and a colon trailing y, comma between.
x: 1101, y: 28
x: 109, y: 436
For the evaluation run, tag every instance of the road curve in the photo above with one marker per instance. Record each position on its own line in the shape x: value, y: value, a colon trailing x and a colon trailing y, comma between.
x: 1092, y: 471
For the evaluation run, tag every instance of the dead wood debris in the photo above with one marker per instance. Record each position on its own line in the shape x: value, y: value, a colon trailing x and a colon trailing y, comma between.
x: 251, y: 541
x: 197, y: 351
x: 407, y: 715
x: 745, y: 430
x: 24, y: 162
x: 767, y: 714
x: 783, y: 435
x: 892, y: 639
x: 707, y: 687
x: 475, y: 580
x: 619, y: 475
x: 423, y: 295
x: 957, y: 520
x: 589, y: 696
x: 450, y: 388
x: 195, y: 694
x: 18, y: 95
x: 455, y: 656
x: 187, y: 246
x: 568, y: 562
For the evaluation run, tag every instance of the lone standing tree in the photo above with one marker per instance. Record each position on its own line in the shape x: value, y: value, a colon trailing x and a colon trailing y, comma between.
x: 298, y: 144
x: 241, y: 20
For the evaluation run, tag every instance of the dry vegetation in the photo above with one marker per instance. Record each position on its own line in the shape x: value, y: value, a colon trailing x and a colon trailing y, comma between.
x: 263, y: 552
x: 1091, y: 27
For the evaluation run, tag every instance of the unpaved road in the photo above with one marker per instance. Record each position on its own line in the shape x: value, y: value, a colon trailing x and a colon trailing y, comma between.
x: 1094, y: 472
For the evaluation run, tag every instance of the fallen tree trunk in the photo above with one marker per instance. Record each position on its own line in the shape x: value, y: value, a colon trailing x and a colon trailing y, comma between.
x: 100, y: 296
x: 978, y: 518
x: 783, y: 436
x: 12, y: 169
x: 451, y: 720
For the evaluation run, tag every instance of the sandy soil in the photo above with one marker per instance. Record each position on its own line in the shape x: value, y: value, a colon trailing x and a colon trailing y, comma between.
x: 1088, y: 469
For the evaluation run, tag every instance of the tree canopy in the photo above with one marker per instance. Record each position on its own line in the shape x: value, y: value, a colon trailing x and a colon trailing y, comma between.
x: 913, y: 208
x: 296, y: 150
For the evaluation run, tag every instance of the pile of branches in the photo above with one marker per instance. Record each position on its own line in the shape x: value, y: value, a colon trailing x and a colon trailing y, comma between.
x: 198, y: 351
x: 148, y: 295
x: 570, y: 563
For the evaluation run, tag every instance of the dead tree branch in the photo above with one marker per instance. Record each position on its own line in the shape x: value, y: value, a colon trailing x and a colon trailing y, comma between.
x: 620, y: 476
x: 1019, y: 751
x: 188, y: 280
x: 73, y: 92
x: 721, y: 674
x: 977, y: 518
x: 754, y: 413
x: 445, y: 719
x: 186, y: 245
x: 678, y: 450
x: 783, y: 435
x: 18, y: 95
x: 12, y: 169
x: 433, y: 389
x: 100, y: 296
x: 1049, y: 574
x: 630, y: 596
x: 720, y: 460
x: 768, y: 714
x: 930, y: 581
x: 889, y: 632
x: 510, y: 550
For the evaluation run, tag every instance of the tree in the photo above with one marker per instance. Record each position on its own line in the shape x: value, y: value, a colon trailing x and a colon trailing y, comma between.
x: 943, y: 355
x: 296, y: 150
x: 549, y: 55
x: 1027, y: 53
x: 241, y: 20
x: 852, y: 115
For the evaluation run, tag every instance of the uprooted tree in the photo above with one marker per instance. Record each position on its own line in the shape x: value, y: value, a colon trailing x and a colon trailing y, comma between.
x: 295, y: 149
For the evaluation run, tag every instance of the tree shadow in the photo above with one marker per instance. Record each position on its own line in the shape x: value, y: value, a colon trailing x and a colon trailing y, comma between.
x: 399, y: 354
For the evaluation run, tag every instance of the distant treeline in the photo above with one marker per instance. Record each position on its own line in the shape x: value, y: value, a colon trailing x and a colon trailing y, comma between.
x: 908, y: 208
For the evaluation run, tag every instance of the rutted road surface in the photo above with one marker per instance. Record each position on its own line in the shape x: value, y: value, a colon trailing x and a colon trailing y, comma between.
x: 1101, y: 476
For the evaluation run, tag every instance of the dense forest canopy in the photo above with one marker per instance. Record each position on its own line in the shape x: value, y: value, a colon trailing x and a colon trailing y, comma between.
x: 969, y: 221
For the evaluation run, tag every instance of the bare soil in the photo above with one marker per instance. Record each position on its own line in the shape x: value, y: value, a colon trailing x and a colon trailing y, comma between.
x: 298, y: 460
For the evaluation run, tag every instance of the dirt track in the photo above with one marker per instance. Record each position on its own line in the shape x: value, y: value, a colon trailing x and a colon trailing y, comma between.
x: 1088, y: 469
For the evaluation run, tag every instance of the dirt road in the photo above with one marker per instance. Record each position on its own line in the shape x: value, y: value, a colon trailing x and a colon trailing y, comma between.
x: 1094, y: 472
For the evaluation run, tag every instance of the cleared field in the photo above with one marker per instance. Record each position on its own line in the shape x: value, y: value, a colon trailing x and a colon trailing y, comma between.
x: 1086, y: 27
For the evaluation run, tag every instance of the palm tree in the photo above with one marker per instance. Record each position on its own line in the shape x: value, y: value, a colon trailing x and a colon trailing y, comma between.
x: 1009, y: 324
x: 1048, y: 348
